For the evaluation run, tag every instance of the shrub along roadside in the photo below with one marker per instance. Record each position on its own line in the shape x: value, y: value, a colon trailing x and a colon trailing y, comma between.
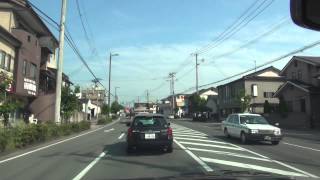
x: 27, y: 134
x: 104, y: 120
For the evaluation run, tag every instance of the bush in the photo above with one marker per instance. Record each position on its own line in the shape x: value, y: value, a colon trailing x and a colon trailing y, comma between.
x: 102, y: 121
x: 25, y: 134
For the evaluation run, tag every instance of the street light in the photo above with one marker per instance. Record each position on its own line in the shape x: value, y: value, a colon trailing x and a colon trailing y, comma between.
x: 109, y: 103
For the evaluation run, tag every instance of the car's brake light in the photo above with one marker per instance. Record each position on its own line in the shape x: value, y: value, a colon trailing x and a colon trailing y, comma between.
x: 129, y: 134
x: 169, y: 133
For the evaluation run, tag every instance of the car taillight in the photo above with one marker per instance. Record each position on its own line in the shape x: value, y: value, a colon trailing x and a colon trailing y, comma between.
x: 129, y: 134
x: 169, y: 133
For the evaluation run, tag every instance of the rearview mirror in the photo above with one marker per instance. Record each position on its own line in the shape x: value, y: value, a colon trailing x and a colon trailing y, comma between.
x: 306, y: 13
x: 128, y: 124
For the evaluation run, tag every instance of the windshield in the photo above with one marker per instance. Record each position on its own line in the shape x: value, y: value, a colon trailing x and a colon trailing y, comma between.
x: 151, y: 89
x: 253, y: 120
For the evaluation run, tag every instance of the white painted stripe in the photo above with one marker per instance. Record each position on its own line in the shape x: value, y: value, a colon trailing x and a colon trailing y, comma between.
x: 197, y: 134
x: 250, y: 166
x: 188, y: 135
x: 200, y: 140
x: 121, y: 136
x: 309, y: 148
x: 196, y: 158
x: 85, y: 170
x: 186, y: 131
x: 59, y: 142
x: 211, y: 145
x: 229, y: 154
x: 108, y: 130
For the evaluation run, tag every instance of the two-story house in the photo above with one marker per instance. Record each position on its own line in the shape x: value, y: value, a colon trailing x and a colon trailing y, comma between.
x: 301, y: 92
x: 260, y: 86
x: 26, y: 46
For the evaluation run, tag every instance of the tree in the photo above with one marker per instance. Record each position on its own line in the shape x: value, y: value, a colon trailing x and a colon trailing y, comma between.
x: 105, y: 109
x: 7, y: 104
x: 116, y: 107
x: 198, y: 104
x: 77, y: 89
x: 69, y: 103
x: 244, y: 101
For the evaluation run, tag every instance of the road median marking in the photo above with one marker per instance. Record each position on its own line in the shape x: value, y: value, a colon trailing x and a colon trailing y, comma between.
x: 56, y: 143
x: 121, y: 135
x: 108, y: 130
x: 318, y: 150
x: 211, y: 145
x: 196, y: 158
x: 86, y: 169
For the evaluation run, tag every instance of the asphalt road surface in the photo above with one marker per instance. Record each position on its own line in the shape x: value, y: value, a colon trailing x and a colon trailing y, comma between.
x: 200, y: 148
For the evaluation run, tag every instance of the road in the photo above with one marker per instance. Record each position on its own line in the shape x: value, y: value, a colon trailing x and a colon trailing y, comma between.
x: 200, y: 148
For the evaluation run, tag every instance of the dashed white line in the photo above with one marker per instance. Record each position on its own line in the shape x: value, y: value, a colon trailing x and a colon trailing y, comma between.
x: 200, y: 140
x: 108, y: 130
x: 85, y: 170
x: 188, y: 135
x: 121, y: 136
x: 318, y: 150
x: 196, y: 158
x: 250, y: 166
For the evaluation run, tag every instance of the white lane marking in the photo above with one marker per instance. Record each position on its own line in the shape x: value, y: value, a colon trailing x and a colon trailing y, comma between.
x: 85, y: 170
x: 211, y: 145
x: 59, y: 142
x: 121, y: 136
x: 196, y: 158
x: 197, y: 134
x: 175, y: 130
x: 200, y: 140
x: 301, y: 146
x: 250, y: 166
x: 277, y: 162
x: 108, y: 130
x: 229, y: 154
x: 188, y: 135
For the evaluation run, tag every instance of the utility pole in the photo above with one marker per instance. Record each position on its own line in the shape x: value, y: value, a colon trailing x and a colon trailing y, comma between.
x: 172, y: 79
x: 197, y: 65
x: 255, y: 65
x: 109, y: 93
x: 147, y: 96
x: 60, y: 63
x: 138, y: 99
x: 115, y: 93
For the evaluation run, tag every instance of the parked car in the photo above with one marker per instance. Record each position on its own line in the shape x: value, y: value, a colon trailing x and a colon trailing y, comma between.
x: 251, y: 127
x: 199, y: 116
x: 149, y: 130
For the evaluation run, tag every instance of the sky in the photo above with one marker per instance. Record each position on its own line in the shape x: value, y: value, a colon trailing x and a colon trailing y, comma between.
x: 154, y: 38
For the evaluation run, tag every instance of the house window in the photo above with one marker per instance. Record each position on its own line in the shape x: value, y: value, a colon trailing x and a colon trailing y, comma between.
x: 25, y: 67
x: 29, y: 38
x: 254, y: 90
x: 2, y: 59
x: 299, y: 75
x: 293, y: 75
x: 7, y: 62
x: 33, y: 71
x: 268, y: 94
x: 12, y: 64
x: 295, y: 64
x: 302, y: 105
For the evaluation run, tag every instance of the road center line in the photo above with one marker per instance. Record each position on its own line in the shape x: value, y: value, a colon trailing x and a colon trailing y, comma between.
x: 196, y: 158
x: 85, y: 170
x: 301, y: 146
x: 108, y: 130
x: 59, y: 142
x: 121, y: 136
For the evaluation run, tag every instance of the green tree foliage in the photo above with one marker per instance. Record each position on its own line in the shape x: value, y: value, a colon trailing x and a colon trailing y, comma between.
x: 7, y: 103
x: 283, y: 108
x: 244, y: 100
x: 115, y: 107
x: 69, y: 103
x: 197, y: 104
x: 77, y: 89
x: 105, y: 109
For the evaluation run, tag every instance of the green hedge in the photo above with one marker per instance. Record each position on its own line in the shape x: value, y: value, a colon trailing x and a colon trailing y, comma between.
x: 104, y: 120
x: 23, y: 135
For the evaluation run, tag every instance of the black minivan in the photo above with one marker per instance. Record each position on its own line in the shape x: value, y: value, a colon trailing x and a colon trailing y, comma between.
x: 149, y: 130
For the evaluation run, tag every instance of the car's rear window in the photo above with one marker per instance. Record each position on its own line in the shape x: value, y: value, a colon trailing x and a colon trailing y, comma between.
x: 153, y: 121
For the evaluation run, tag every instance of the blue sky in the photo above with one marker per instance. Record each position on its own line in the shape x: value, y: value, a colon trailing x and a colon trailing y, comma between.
x: 155, y: 37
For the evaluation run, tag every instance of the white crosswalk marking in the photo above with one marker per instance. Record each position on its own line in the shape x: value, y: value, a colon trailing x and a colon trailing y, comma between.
x: 205, y: 149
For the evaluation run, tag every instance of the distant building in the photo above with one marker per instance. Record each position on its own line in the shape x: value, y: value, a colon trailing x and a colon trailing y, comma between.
x: 301, y: 91
x: 260, y: 85
x: 95, y: 94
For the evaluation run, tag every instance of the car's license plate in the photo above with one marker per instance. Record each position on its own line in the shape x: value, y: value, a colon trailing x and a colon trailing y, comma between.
x: 150, y: 136
x: 268, y: 138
